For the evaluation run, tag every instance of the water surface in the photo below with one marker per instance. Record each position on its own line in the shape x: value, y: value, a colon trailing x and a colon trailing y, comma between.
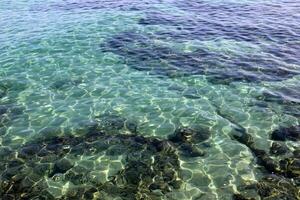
x: 144, y: 68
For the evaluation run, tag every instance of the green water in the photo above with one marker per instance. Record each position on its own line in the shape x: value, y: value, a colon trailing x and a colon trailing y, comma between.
x: 55, y: 79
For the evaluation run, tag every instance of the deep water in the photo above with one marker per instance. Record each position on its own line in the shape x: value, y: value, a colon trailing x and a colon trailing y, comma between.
x: 156, y: 99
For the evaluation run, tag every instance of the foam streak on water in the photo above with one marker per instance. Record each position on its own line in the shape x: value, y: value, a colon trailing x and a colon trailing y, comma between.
x: 72, y: 69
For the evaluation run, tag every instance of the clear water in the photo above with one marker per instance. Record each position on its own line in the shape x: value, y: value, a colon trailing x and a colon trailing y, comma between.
x: 161, y: 64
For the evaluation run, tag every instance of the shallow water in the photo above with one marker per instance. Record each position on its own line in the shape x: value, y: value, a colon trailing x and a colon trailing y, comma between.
x: 158, y: 65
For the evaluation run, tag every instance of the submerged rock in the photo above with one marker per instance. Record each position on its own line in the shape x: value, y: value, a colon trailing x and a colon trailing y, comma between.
x: 265, y: 160
x: 297, y: 153
x: 189, y: 135
x: 244, y: 138
x: 241, y: 197
x: 283, y: 133
x: 191, y: 150
x: 278, y: 183
x: 272, y: 187
x: 29, y: 151
x: 62, y: 166
x: 291, y: 167
x: 278, y: 149
x: 276, y: 187
x: 187, y: 138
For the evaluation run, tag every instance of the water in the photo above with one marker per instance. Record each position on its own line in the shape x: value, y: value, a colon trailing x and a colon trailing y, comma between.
x: 143, y: 68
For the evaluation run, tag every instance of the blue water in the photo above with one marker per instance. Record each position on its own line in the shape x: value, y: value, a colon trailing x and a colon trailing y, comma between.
x: 143, y: 68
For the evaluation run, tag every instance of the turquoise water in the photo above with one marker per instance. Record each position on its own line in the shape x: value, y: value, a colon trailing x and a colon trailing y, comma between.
x: 144, y: 68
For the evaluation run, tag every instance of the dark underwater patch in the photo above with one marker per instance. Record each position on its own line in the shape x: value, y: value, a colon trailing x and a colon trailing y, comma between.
x: 286, y: 133
x: 278, y: 148
x: 141, y: 53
